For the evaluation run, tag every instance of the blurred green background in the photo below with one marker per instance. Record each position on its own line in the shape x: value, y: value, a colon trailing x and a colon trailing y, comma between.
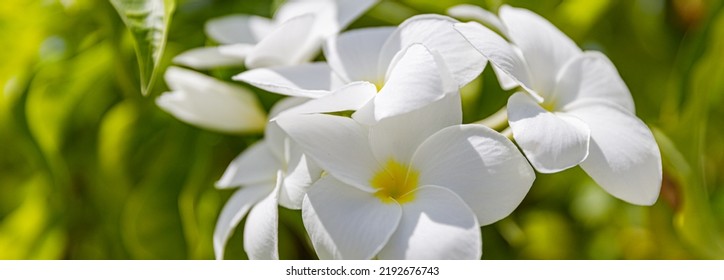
x: 90, y: 168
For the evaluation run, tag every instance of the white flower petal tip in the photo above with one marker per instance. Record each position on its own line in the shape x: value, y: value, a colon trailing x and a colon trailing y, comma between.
x: 346, y: 223
x: 311, y: 80
x: 204, y: 101
x: 481, y: 166
x: 624, y: 158
x: 212, y: 57
x: 234, y: 210
x: 261, y: 237
x: 552, y: 141
x: 288, y: 44
x: 348, y: 98
x: 256, y: 165
x: 472, y: 12
x: 437, y: 225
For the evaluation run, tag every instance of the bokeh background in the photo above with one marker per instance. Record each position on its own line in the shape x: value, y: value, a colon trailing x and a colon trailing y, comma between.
x: 92, y: 169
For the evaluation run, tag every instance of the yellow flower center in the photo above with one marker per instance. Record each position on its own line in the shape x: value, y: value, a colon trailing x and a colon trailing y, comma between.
x: 395, y: 181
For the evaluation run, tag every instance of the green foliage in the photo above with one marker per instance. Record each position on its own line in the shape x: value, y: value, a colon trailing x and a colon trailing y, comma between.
x: 92, y: 169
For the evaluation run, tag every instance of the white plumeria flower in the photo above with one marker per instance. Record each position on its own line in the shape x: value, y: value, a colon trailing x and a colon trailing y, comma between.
x: 575, y: 110
x: 269, y: 173
x: 413, y: 186
x: 206, y: 102
x: 293, y: 36
x: 390, y: 58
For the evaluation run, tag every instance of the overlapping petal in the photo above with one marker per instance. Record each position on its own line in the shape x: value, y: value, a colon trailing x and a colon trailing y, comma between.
x: 211, y: 57
x: 348, y: 98
x: 623, y: 158
x: 256, y: 164
x: 346, y: 223
x: 472, y: 12
x: 480, y: 165
x: 435, y: 32
x: 399, y: 136
x: 354, y: 55
x: 338, y: 144
x: 234, y: 210
x: 204, y: 101
x: 417, y: 79
x: 235, y: 29
x: 288, y: 44
x: 589, y: 79
x: 552, y: 141
x: 261, y: 237
x: 437, y: 225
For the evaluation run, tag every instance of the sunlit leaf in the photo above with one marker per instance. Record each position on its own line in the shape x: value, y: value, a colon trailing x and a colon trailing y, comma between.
x: 148, y: 22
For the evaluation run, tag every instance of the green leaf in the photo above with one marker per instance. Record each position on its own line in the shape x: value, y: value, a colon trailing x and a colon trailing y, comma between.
x: 148, y: 21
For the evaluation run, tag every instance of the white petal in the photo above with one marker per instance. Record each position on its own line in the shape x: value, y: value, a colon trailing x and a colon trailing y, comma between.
x: 212, y: 57
x: 288, y: 44
x: 234, y: 29
x: 399, y: 136
x: 545, y: 48
x: 436, y: 32
x: 338, y: 144
x: 506, y: 82
x: 472, y: 12
x: 499, y: 52
x: 234, y: 210
x: 210, y: 103
x: 436, y: 225
x: 416, y: 80
x: 624, y: 157
x: 301, y: 173
x: 348, y: 98
x: 551, y: 141
x: 589, y: 79
x: 334, y: 19
x: 254, y: 165
x: 346, y: 223
x: 480, y: 165
x: 261, y: 234
x: 305, y: 80
x: 354, y: 55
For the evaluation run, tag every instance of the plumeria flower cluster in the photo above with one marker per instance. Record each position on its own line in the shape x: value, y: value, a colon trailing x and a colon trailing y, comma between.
x: 370, y: 144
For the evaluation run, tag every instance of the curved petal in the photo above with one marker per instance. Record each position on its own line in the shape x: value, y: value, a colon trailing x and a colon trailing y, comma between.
x: 399, y: 136
x: 500, y: 53
x: 348, y: 98
x: 261, y: 235
x: 436, y: 32
x: 288, y: 44
x: 591, y: 78
x: 306, y: 80
x: 207, y: 102
x: 301, y: 173
x: 354, y: 55
x: 340, y: 15
x: 212, y: 57
x: 234, y: 29
x: 480, y: 165
x: 346, y: 223
x: 552, y: 141
x: 436, y: 225
x: 234, y: 210
x: 624, y: 157
x: 338, y: 144
x: 545, y: 48
x: 472, y: 12
x: 416, y: 80
x: 254, y: 165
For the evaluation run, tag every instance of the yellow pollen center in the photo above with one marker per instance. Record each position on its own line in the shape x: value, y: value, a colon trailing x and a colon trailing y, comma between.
x: 395, y: 181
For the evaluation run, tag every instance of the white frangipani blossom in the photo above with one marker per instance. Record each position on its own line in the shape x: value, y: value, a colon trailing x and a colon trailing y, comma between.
x: 204, y: 101
x: 269, y: 173
x: 390, y: 58
x: 412, y: 186
x: 575, y: 109
x: 293, y: 36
